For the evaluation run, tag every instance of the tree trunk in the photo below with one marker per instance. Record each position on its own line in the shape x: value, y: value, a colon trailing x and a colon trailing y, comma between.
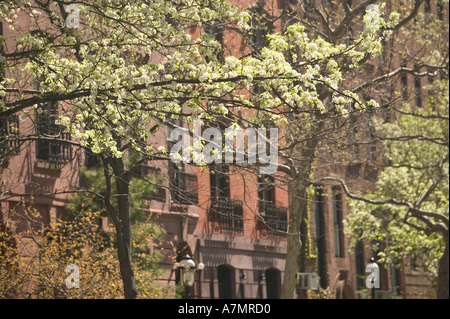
x: 298, y: 209
x: 124, y: 231
x: 294, y: 244
x: 443, y: 274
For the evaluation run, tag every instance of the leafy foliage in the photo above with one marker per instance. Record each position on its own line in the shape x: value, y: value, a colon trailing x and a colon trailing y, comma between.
x: 417, y: 148
x: 36, y: 268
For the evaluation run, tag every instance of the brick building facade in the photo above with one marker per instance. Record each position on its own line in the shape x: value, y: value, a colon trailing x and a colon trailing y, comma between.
x: 215, y: 218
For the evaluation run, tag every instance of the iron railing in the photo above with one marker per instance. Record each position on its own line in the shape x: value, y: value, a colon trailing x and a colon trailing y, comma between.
x: 228, y: 213
x: 9, y: 135
x: 273, y: 219
x: 55, y: 148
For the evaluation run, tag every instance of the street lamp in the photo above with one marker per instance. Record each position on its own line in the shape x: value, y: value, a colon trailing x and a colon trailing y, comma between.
x: 187, y: 272
x: 243, y: 281
x: 262, y: 282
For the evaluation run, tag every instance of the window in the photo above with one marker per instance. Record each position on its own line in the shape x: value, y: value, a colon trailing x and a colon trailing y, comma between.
x: 9, y: 125
x: 418, y: 90
x: 219, y: 182
x: 266, y: 191
x: 353, y: 135
x: 183, y: 186
x: 2, y: 65
x: 385, y: 110
x: 394, y: 278
x: 404, y: 83
x: 360, y: 265
x: 217, y: 33
x: 320, y: 239
x: 177, y: 122
x: 290, y: 6
x: 440, y: 10
x: 273, y: 220
x: 308, y: 6
x: 91, y: 160
x: 348, y: 37
x: 9, y: 136
x: 51, y: 144
x: 427, y: 6
x: 338, y: 230
x: 261, y: 26
x: 227, y: 213
x: 370, y: 136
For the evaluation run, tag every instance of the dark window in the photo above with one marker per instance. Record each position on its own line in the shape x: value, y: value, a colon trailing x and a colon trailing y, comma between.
x: 370, y: 136
x: 9, y: 135
x: 404, y: 84
x: 290, y: 6
x: 52, y: 143
x: 353, y: 170
x: 319, y: 223
x: 273, y: 219
x: 394, y: 274
x: 427, y: 6
x: 440, y: 10
x: 226, y: 281
x: 338, y: 230
x: 261, y: 26
x: 183, y: 186
x: 353, y: 135
x: 418, y: 90
x: 9, y: 126
x: 226, y: 212
x: 91, y: 160
x: 2, y: 65
x: 360, y: 266
x: 177, y: 122
x: 219, y: 181
x: 266, y: 190
x: 218, y: 36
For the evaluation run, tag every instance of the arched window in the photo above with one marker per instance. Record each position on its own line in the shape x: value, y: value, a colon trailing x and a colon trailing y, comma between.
x: 227, y: 282
x: 273, y: 283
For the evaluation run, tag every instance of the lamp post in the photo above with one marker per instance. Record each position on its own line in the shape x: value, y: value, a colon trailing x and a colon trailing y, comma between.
x: 243, y: 281
x: 187, y: 269
x: 262, y: 282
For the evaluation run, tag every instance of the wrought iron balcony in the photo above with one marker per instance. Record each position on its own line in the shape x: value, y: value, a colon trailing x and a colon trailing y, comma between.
x: 9, y: 135
x: 273, y: 219
x: 183, y: 188
x: 54, y: 148
x: 228, y: 214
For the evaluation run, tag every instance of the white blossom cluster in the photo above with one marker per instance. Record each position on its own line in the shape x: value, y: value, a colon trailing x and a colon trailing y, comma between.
x: 120, y: 97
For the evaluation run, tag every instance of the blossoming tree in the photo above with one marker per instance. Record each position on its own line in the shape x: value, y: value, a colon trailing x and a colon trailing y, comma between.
x: 128, y: 67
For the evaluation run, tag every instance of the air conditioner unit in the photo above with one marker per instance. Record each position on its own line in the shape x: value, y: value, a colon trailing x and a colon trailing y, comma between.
x: 307, y: 281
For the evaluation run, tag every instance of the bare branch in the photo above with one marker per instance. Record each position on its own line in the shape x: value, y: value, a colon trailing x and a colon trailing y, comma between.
x: 416, y: 211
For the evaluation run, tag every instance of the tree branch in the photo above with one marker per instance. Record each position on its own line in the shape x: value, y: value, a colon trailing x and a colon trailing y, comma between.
x: 417, y: 212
